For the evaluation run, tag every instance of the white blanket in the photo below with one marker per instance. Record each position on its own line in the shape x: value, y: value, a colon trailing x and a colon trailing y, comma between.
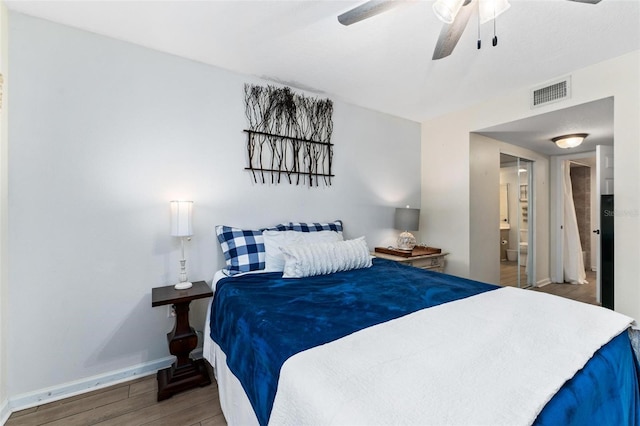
x: 492, y: 359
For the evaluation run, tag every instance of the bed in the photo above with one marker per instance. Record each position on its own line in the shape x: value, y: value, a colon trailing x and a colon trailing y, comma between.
x: 390, y: 343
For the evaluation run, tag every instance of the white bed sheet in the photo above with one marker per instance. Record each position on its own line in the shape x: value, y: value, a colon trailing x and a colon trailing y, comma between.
x: 235, y: 405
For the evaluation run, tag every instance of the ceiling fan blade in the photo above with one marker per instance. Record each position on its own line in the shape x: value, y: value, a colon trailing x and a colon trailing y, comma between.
x: 587, y: 1
x: 366, y: 10
x: 451, y: 33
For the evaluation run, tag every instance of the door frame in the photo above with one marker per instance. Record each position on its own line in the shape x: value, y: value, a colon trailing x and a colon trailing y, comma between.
x: 531, y: 234
x: 603, y: 176
x: 556, y: 217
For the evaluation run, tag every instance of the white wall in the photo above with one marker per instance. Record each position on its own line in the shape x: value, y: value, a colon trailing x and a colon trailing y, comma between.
x: 509, y: 176
x: 595, y: 214
x: 484, y: 208
x: 446, y: 167
x: 4, y: 303
x: 444, y: 215
x: 103, y: 134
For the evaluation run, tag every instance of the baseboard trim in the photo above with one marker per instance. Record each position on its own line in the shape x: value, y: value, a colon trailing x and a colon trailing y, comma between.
x: 5, y: 411
x: 66, y: 390
x: 543, y: 282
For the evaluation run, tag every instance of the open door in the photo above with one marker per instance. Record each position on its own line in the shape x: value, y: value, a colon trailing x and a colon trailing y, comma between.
x: 604, y: 229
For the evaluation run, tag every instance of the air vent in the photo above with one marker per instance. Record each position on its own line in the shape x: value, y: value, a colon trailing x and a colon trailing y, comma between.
x: 551, y: 92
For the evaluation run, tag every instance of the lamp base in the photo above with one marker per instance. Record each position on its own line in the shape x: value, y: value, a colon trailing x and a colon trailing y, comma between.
x: 183, y: 285
x: 406, y: 241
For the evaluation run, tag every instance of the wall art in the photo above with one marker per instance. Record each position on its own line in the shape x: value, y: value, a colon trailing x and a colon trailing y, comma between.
x: 288, y: 136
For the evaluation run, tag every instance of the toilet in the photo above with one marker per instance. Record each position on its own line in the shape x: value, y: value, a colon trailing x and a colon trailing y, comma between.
x: 512, y: 254
x: 524, y: 251
x: 524, y: 246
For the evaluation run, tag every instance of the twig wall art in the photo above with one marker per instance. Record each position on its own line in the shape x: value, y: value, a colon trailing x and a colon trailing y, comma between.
x: 289, y: 136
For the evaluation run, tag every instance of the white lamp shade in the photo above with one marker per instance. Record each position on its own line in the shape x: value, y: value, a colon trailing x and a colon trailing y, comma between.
x: 491, y: 9
x: 446, y: 10
x: 407, y: 219
x: 181, y: 223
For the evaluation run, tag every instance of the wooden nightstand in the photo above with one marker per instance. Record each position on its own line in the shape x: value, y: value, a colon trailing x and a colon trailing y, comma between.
x: 433, y: 262
x: 185, y: 373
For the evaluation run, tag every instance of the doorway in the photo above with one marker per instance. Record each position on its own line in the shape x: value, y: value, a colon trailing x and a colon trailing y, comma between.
x: 517, y: 267
x: 599, y: 164
x: 582, y: 181
x: 531, y: 137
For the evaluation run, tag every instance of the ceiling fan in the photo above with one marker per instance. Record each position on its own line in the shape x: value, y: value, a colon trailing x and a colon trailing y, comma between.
x: 454, y: 13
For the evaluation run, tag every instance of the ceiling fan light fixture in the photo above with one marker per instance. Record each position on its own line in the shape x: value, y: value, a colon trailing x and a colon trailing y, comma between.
x: 446, y: 10
x: 491, y: 9
x: 569, y: 141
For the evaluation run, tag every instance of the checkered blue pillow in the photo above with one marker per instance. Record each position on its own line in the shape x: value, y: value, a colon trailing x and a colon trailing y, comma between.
x: 243, y: 248
x: 316, y: 227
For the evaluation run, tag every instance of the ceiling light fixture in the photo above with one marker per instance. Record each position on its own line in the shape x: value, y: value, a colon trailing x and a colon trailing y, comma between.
x: 446, y: 10
x: 569, y: 141
x: 491, y: 9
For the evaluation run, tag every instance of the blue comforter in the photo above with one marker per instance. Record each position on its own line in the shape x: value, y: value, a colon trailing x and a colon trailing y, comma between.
x: 261, y: 320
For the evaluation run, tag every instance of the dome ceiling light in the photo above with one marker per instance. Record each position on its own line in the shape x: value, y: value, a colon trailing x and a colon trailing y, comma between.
x: 569, y: 141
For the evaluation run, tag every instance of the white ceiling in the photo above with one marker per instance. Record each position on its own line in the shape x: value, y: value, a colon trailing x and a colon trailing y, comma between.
x: 383, y: 63
x: 535, y: 133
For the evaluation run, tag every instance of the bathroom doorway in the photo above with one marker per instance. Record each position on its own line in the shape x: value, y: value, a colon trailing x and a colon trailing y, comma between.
x: 582, y: 180
x: 516, y: 223
x: 598, y: 164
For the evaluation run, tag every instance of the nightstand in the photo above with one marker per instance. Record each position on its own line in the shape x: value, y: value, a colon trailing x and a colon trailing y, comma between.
x: 433, y: 262
x: 185, y: 373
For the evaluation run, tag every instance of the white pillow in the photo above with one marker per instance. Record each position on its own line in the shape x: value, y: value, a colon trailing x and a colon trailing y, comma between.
x: 274, y: 240
x: 325, y: 258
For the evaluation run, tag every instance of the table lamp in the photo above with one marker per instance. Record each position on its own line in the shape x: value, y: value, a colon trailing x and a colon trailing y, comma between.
x: 407, y: 219
x: 181, y: 226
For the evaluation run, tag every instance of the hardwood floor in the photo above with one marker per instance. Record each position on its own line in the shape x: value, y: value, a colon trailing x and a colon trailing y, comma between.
x: 131, y: 403
x: 581, y: 292
x: 509, y: 274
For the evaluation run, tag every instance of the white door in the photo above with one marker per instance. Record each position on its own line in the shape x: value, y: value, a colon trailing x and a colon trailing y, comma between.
x: 604, y: 186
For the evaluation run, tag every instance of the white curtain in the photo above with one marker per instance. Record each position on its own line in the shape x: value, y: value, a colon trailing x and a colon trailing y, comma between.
x: 573, y: 262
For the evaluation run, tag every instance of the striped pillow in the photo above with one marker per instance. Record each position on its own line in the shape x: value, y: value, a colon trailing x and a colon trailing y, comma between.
x: 307, y: 260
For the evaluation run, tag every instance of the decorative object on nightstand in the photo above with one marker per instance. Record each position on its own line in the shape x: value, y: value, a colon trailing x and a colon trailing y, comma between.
x: 407, y: 219
x: 421, y: 257
x: 181, y: 226
x: 185, y: 373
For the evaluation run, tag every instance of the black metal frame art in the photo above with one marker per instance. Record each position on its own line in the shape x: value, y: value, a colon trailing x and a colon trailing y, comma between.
x: 289, y: 135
